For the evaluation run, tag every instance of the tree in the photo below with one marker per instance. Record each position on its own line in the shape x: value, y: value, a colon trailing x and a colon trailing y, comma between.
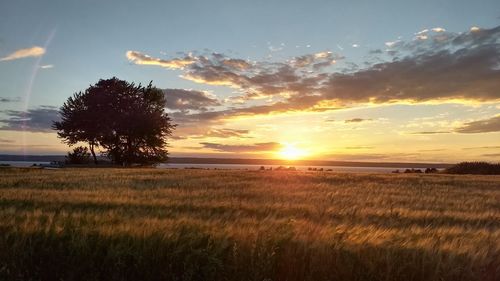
x: 80, y: 155
x: 128, y: 121
x: 78, y: 122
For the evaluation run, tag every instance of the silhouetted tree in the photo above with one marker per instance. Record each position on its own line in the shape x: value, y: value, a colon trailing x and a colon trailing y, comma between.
x: 78, y: 122
x: 79, y: 155
x: 128, y: 121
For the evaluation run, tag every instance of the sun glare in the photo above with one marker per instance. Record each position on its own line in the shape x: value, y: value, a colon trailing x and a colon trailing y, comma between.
x: 291, y: 152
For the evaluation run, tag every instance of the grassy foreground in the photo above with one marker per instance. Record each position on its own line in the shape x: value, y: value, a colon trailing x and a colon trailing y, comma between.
x: 152, y: 224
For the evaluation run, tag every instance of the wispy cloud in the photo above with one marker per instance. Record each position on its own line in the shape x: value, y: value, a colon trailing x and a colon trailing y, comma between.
x: 227, y: 133
x: 143, y: 59
x: 33, y: 120
x: 430, y: 132
x: 438, y: 29
x: 481, y: 147
x: 491, y: 155
x: 25, y: 53
x: 6, y: 141
x: 356, y: 120
x: 358, y: 147
x: 46, y: 66
x: 257, y: 147
x: 481, y: 126
x: 6, y: 100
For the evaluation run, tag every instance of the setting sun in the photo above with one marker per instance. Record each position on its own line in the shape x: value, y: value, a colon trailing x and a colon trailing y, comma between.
x: 291, y: 152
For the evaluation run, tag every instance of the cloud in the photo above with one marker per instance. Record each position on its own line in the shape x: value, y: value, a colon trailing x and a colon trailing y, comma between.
x: 432, y: 150
x: 481, y: 126
x: 447, y: 66
x: 143, y: 59
x: 374, y: 156
x: 482, y: 147
x: 6, y: 141
x: 34, y: 51
x: 180, y: 99
x: 422, y: 32
x: 356, y: 120
x: 227, y: 133
x: 32, y: 120
x: 219, y: 133
x: 257, y: 147
x: 359, y: 147
x: 6, y: 100
x: 491, y: 155
x: 470, y: 74
x: 438, y: 29
x: 430, y: 132
x: 46, y: 66
x: 392, y: 43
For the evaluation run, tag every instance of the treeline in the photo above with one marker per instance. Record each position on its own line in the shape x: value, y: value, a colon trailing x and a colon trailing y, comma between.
x: 475, y: 168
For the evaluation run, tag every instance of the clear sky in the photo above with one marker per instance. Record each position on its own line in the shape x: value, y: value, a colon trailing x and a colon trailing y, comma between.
x: 340, y: 80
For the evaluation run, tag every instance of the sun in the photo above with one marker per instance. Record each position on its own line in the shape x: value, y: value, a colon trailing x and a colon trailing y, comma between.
x: 291, y: 152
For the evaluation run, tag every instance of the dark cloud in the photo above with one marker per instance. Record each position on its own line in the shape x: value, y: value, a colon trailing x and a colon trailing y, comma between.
x: 32, y: 120
x: 430, y: 132
x: 359, y: 147
x: 6, y: 100
x: 481, y: 126
x: 376, y: 52
x: 356, y: 120
x: 482, y: 147
x: 257, y: 147
x: 464, y: 74
x: 180, y: 99
x: 6, y: 141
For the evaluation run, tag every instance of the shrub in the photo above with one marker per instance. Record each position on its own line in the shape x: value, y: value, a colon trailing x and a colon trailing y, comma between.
x: 476, y: 168
x: 80, y: 155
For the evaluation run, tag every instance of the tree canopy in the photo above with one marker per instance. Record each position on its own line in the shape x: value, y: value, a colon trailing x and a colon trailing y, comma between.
x: 127, y: 121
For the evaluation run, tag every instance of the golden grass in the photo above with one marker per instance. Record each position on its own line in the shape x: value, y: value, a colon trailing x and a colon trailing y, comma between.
x: 152, y: 224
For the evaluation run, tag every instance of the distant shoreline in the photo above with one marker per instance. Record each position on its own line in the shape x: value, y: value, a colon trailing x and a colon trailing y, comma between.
x: 196, y: 160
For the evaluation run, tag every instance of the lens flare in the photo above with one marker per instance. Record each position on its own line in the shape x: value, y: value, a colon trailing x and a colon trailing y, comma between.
x: 291, y: 152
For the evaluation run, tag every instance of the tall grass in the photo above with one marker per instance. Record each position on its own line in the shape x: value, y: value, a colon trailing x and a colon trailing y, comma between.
x: 152, y: 224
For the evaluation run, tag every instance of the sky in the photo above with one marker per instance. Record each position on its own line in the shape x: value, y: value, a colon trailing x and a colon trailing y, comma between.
x: 379, y: 81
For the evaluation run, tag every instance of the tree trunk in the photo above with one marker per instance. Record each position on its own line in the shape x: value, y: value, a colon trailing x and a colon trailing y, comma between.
x: 91, y: 146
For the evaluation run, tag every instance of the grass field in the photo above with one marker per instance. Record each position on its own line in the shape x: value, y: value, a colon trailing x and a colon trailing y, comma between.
x: 152, y: 224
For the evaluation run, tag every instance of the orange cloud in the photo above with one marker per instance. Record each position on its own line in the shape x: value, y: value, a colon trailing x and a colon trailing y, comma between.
x: 25, y: 53
x: 143, y: 59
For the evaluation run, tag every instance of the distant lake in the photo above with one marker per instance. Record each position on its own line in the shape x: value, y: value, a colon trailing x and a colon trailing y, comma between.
x: 23, y: 163
x: 342, y: 169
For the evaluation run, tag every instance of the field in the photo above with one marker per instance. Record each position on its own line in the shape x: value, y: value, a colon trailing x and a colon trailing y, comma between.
x: 152, y: 224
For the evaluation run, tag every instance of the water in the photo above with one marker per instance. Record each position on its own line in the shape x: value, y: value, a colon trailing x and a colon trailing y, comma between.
x: 23, y: 163
x: 341, y: 169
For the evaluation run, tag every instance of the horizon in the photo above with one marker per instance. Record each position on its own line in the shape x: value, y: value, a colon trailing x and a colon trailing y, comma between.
x: 324, y: 81
x: 231, y: 160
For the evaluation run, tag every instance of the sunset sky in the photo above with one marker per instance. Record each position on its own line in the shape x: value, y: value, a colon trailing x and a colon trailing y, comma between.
x: 333, y: 80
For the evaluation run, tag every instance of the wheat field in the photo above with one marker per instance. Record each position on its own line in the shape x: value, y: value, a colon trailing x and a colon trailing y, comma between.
x: 154, y: 224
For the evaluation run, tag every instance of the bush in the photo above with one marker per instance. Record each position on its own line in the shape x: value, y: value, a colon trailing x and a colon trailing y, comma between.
x: 80, y: 155
x: 475, y: 168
